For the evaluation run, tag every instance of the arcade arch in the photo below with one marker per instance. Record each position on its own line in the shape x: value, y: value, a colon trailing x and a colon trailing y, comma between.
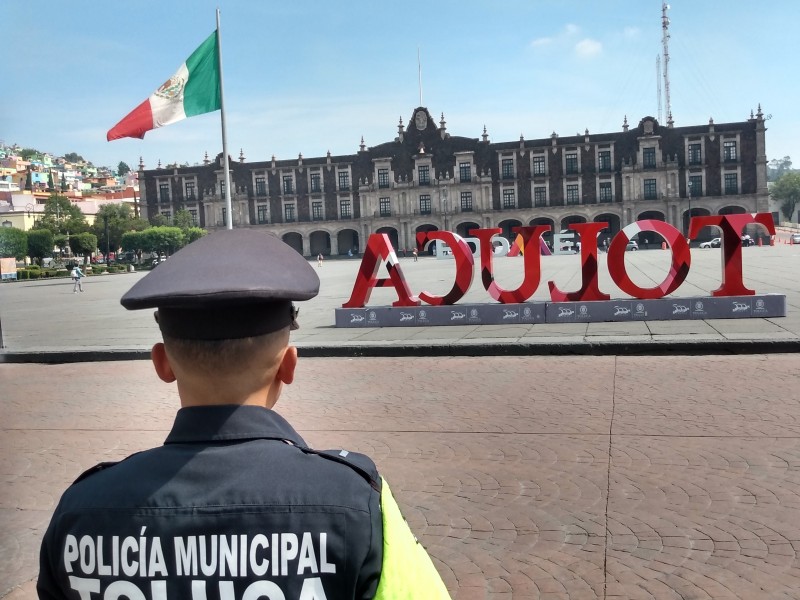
x: 293, y: 239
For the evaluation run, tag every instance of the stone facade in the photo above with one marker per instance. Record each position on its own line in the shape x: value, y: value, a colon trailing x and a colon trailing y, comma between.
x: 427, y: 179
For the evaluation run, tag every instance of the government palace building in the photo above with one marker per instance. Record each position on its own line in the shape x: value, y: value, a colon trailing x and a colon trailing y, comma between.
x: 427, y: 179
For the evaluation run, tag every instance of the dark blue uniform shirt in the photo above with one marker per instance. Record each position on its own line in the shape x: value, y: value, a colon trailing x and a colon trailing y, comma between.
x: 234, y: 506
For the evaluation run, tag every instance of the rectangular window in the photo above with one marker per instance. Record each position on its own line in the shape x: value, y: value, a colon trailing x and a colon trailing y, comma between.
x: 573, y: 197
x: 193, y: 215
x: 163, y: 192
x: 605, y: 191
x: 288, y: 213
x: 386, y: 207
x: 539, y: 196
x: 344, y: 209
x: 425, y: 204
x: 466, y: 201
x: 190, y: 191
x: 731, y: 183
x: 316, y: 211
x: 508, y: 168
x: 261, y: 186
x: 465, y: 172
x: 508, y: 199
x: 604, y: 161
x: 222, y: 189
x: 695, y: 185
x: 383, y: 178
x: 572, y: 163
x: 729, y: 151
x: 316, y: 182
x: 695, y: 154
x: 424, y: 174
x: 288, y: 184
x: 344, y: 181
x: 650, y: 189
x: 538, y: 165
x: 224, y: 216
x: 262, y: 215
x: 649, y: 158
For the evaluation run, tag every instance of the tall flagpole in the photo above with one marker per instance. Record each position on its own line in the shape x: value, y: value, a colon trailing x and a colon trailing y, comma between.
x: 419, y: 76
x: 227, y: 174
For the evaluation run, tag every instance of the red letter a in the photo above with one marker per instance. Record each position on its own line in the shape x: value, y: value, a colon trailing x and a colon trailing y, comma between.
x: 379, y: 248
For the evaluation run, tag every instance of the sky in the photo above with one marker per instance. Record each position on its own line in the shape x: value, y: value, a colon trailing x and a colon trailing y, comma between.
x: 310, y: 76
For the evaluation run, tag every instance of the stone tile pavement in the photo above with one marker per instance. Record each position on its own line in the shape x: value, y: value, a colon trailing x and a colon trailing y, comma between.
x: 44, y: 320
x: 550, y: 477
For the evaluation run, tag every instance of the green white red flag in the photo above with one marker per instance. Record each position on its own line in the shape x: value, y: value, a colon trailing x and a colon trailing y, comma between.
x: 193, y: 90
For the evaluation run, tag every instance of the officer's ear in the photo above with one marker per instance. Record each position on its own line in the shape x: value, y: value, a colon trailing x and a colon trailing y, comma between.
x: 161, y: 363
x: 288, y: 365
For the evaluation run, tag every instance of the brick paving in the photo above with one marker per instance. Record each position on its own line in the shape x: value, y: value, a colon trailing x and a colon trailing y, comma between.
x: 638, y: 477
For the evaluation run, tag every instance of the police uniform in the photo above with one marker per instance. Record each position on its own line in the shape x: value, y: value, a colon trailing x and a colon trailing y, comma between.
x: 234, y: 505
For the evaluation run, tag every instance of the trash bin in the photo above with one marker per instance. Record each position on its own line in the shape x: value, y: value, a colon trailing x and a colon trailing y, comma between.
x: 131, y: 269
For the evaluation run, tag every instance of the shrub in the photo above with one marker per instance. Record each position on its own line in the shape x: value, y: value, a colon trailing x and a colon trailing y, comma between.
x: 22, y: 274
x: 33, y: 268
x: 34, y: 274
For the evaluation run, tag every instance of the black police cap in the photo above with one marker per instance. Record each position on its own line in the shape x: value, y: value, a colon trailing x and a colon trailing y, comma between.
x: 228, y: 284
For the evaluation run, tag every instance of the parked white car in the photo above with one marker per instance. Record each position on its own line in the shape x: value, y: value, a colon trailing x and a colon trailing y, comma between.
x: 711, y: 243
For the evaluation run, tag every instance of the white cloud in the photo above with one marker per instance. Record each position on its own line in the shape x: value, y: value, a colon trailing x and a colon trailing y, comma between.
x: 588, y: 48
x: 571, y: 29
x: 543, y: 41
x: 631, y: 32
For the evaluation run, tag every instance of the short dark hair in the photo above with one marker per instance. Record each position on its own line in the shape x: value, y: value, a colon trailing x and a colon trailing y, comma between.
x: 225, y: 356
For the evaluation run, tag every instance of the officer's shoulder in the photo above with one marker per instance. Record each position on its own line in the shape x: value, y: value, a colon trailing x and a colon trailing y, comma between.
x: 95, y: 470
x: 360, y: 463
x: 101, y: 467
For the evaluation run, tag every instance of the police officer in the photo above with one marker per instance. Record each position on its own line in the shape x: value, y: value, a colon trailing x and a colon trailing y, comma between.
x: 235, y: 505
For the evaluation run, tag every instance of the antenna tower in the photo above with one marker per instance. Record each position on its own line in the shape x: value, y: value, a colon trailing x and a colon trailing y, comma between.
x: 665, y: 42
x: 658, y: 86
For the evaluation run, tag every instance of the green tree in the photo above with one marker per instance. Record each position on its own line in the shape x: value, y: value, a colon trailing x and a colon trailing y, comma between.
x: 182, y: 219
x: 61, y: 216
x: 123, y: 169
x: 787, y: 190
x: 28, y: 153
x: 40, y: 244
x: 63, y: 183
x: 133, y: 241
x: 193, y: 234
x: 13, y: 243
x: 73, y: 157
x: 120, y: 220
x: 28, y: 182
x: 777, y: 167
x: 159, y: 220
x: 164, y: 240
x: 51, y: 186
x: 83, y: 243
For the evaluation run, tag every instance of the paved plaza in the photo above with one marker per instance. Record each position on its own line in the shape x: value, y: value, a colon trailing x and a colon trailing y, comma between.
x: 637, y: 477
x: 40, y: 317
x: 554, y: 476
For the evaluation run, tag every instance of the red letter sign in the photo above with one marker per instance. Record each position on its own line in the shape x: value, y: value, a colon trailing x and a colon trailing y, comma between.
x: 731, y: 227
x: 464, y: 266
x: 531, y: 261
x: 590, y: 289
x: 379, y: 248
x: 681, y: 259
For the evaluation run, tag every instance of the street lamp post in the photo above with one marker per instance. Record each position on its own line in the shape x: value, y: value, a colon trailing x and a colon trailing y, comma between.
x: 105, y: 223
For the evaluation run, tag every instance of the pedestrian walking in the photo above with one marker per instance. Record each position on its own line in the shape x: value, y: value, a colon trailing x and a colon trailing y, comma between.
x: 77, y: 275
x: 414, y: 252
x: 235, y: 504
x: 319, y: 259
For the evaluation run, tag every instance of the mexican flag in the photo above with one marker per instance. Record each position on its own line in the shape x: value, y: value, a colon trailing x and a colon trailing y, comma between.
x: 193, y: 90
